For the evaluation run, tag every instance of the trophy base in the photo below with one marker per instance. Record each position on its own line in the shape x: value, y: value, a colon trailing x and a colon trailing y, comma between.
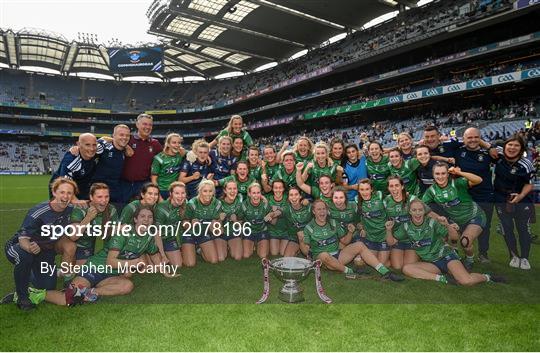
x: 291, y: 292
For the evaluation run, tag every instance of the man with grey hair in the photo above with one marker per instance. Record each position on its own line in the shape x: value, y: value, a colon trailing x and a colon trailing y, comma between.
x: 136, y: 169
x: 111, y: 161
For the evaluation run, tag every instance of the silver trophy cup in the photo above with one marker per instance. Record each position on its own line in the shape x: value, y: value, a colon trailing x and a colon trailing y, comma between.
x: 291, y: 271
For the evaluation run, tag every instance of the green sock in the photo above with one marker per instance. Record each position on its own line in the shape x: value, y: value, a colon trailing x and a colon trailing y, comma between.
x: 469, y: 259
x: 382, y: 269
x: 36, y: 295
x: 348, y: 271
x: 441, y: 278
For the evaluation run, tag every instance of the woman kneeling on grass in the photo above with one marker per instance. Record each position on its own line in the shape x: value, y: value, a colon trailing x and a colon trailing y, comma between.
x: 103, y: 273
x: 438, y: 259
x: 257, y: 212
x: 323, y: 237
x: 169, y: 216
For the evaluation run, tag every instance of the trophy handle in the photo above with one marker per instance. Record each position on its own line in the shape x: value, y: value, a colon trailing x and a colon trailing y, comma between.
x: 318, y: 283
x: 266, y: 281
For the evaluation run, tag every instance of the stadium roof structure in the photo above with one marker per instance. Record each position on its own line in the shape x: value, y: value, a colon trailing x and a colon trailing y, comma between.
x: 207, y: 38
x: 212, y: 37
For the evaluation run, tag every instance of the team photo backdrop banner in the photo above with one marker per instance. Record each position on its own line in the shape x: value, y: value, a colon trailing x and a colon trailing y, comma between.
x: 124, y: 60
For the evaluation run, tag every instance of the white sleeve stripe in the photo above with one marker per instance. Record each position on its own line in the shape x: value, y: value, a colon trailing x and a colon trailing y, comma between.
x: 526, y: 164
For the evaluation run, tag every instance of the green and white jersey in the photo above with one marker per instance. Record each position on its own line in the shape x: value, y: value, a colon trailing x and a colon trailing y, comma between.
x: 317, y: 194
x: 378, y: 172
x: 298, y: 158
x: 167, y: 214
x: 428, y: 239
x: 255, y: 173
x: 126, y: 217
x: 336, y: 161
x: 129, y: 247
x: 231, y: 209
x: 347, y: 216
x: 196, y: 210
x: 271, y: 170
x: 281, y: 174
x: 298, y: 218
x: 455, y: 200
x: 407, y: 173
x: 281, y: 228
x: 242, y: 185
x: 248, y: 141
x: 255, y: 214
x: 323, y: 238
x: 399, y: 213
x: 317, y: 171
x: 373, y: 217
x: 87, y: 241
x: 167, y: 169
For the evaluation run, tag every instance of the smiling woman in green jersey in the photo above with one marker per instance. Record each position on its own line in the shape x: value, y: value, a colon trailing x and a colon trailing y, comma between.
x: 303, y: 149
x: 298, y: 214
x: 242, y: 178
x: 343, y: 211
x: 234, y: 129
x: 254, y: 163
x: 337, y: 150
x: 204, y: 212
x: 397, y: 205
x: 377, y: 166
x: 278, y: 228
x: 438, y: 259
x: 99, y: 212
x: 321, y: 165
x: 321, y: 191
x: 170, y: 213
x: 373, y: 217
x: 149, y: 198
x: 231, y: 203
x: 405, y: 169
x: 257, y: 212
x: 270, y: 163
x: 286, y: 172
x: 166, y: 165
x: 323, y: 236
x: 453, y: 196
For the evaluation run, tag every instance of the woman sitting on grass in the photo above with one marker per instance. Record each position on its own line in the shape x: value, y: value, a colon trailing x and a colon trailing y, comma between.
x: 438, y: 259
x: 324, y: 235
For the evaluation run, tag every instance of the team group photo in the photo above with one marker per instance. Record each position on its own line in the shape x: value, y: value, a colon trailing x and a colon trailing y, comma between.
x: 325, y: 169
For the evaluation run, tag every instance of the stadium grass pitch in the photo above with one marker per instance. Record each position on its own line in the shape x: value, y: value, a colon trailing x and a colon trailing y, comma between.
x: 210, y: 307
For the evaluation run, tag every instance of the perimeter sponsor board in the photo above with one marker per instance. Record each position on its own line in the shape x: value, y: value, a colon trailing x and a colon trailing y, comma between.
x: 435, y: 91
x: 480, y: 83
x: 431, y: 92
x: 412, y: 96
x: 506, y: 78
x: 91, y: 110
x: 519, y: 4
x: 456, y: 87
x: 158, y: 112
x: 532, y: 73
x: 136, y: 59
